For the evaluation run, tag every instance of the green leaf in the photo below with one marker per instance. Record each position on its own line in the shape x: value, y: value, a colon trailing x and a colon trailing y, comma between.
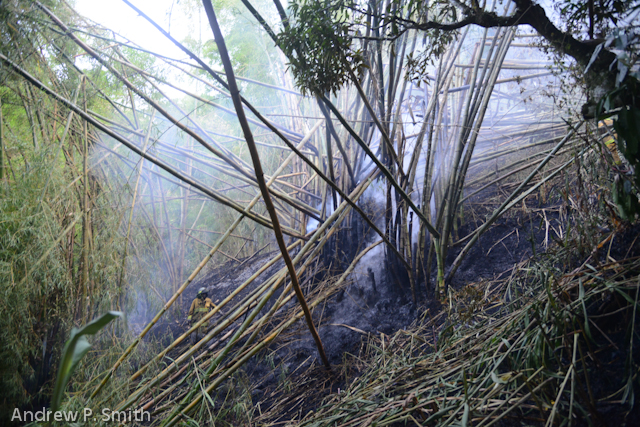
x: 465, y: 415
x: 74, y: 350
x: 628, y: 128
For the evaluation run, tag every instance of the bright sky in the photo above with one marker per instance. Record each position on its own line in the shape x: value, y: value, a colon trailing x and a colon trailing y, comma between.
x: 117, y: 16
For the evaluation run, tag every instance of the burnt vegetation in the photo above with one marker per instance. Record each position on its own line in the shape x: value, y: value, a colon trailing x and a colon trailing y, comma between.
x: 404, y: 213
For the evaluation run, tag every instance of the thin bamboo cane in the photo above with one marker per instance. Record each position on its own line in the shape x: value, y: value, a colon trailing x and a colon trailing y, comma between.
x: 459, y: 173
x: 135, y: 149
x: 193, y: 275
x: 332, y: 130
x: 240, y: 308
x: 133, y: 203
x: 269, y: 125
x: 235, y: 95
x: 244, y: 176
x: 270, y: 338
x: 176, y: 122
x: 86, y: 222
x: 62, y: 140
x: 498, y: 212
x: 392, y: 181
x: 505, y: 176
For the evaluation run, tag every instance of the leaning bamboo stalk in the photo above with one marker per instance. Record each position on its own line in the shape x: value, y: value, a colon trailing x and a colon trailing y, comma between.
x: 240, y: 308
x: 134, y: 148
x: 392, y: 181
x: 244, y: 176
x: 195, y: 273
x: 381, y: 128
x: 141, y: 94
x: 235, y: 95
x: 62, y: 140
x: 133, y: 204
x: 457, y: 177
x: 85, y: 304
x: 270, y: 337
x: 309, y: 260
x: 240, y: 288
x: 507, y: 175
x: 331, y: 130
x: 211, y: 72
x: 272, y: 127
x: 498, y: 212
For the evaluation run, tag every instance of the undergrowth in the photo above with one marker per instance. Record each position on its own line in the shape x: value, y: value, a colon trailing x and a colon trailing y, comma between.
x: 543, y: 347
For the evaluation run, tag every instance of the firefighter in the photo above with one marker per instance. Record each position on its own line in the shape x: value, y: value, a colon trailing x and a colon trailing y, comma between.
x: 200, y: 306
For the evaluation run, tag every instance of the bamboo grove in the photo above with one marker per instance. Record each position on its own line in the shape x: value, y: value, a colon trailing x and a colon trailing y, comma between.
x: 199, y: 166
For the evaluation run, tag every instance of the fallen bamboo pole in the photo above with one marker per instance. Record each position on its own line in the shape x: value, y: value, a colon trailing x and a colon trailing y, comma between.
x: 138, y: 151
x: 275, y: 130
x: 239, y: 309
x: 195, y: 272
x: 270, y: 338
x: 240, y: 288
x: 498, y: 212
x: 235, y: 95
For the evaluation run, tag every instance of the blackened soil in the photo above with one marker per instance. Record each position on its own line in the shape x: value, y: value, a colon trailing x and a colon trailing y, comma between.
x: 373, y: 302
x: 509, y: 241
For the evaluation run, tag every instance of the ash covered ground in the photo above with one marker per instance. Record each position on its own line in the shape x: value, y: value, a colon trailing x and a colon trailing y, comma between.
x: 374, y: 302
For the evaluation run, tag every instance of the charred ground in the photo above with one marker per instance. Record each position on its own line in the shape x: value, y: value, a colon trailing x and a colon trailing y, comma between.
x: 287, y: 380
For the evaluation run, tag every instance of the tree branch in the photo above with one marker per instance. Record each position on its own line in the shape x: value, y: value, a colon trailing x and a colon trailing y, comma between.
x: 598, y: 77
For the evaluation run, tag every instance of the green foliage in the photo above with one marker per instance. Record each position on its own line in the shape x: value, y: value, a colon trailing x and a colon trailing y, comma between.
x: 74, y: 350
x: 626, y: 120
x: 628, y: 127
x: 438, y: 42
x: 33, y: 301
x: 625, y: 187
x: 601, y: 15
x: 319, y: 45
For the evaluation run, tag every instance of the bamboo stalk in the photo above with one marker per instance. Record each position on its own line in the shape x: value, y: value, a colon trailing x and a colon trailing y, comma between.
x: 85, y: 304
x: 271, y: 126
x: 239, y: 309
x: 383, y: 169
x: 267, y: 340
x: 235, y: 95
x: 498, y: 212
x: 135, y: 149
x: 191, y: 277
